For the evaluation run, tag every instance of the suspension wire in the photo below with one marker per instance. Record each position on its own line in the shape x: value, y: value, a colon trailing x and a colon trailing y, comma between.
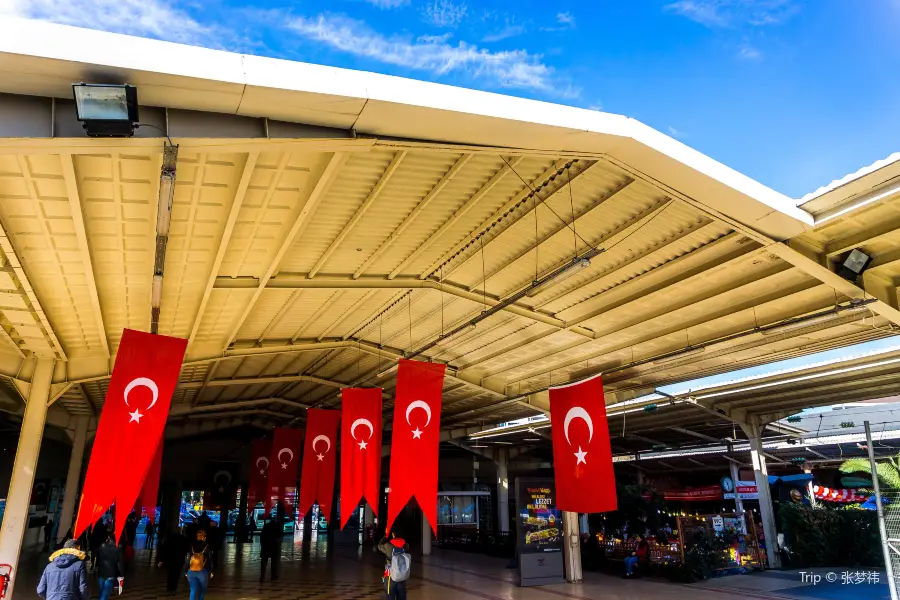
x: 483, y: 278
x: 537, y: 246
x: 409, y: 313
x: 442, y: 299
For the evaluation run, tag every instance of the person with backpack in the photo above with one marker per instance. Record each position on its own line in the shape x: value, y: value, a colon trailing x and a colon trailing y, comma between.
x: 396, y: 571
x: 199, y: 566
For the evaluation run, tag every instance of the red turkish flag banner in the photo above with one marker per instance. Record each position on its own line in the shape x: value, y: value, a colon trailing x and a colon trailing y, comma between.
x: 146, y: 501
x: 131, y: 425
x: 415, y: 439
x: 361, y: 425
x: 283, y: 462
x: 319, y: 461
x: 259, y: 473
x: 582, y: 457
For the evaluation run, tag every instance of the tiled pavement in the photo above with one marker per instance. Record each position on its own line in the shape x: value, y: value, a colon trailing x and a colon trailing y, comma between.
x: 350, y: 573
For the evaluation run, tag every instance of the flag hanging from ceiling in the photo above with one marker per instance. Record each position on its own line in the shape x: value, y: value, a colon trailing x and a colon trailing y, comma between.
x: 319, y: 461
x: 220, y: 487
x: 283, y: 461
x: 582, y: 457
x: 361, y: 425
x: 415, y: 439
x: 146, y: 501
x: 131, y: 424
x: 259, y: 473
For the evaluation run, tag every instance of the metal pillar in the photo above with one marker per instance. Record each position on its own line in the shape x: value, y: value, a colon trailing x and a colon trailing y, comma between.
x: 426, y: 537
x: 15, y: 519
x: 738, y: 502
x: 766, y: 508
x: 502, y: 459
x: 885, y: 542
x: 572, y: 547
x: 73, y: 478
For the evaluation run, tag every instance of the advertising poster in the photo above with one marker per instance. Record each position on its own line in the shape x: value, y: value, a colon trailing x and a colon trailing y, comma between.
x: 539, y: 533
x: 539, y: 520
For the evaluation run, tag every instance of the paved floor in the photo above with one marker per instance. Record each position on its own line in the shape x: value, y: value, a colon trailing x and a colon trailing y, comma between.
x: 350, y: 573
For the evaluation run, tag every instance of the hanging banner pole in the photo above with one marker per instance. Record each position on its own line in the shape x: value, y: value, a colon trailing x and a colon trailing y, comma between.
x: 885, y: 543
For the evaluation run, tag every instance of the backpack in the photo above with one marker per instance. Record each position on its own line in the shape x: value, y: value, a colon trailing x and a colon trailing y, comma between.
x: 400, y: 565
x: 198, y: 560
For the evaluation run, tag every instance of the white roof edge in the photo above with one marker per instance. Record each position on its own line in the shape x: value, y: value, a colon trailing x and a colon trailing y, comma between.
x: 76, y: 45
x: 849, y: 178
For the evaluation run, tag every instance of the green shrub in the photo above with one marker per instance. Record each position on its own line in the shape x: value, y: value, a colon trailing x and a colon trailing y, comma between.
x: 830, y: 537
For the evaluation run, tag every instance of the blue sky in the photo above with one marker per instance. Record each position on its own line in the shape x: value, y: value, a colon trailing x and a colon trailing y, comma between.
x: 793, y: 93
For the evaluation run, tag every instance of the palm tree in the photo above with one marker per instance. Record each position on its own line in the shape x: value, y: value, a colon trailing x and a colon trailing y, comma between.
x: 888, y: 471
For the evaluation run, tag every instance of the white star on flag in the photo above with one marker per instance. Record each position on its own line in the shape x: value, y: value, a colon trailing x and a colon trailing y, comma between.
x: 417, y: 434
x: 580, y: 456
x: 135, y: 416
x: 363, y: 445
x: 261, y: 472
x: 320, y: 457
x: 284, y: 465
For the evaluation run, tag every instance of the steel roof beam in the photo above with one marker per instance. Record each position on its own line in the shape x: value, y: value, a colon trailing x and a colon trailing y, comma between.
x: 361, y: 211
x: 301, y: 221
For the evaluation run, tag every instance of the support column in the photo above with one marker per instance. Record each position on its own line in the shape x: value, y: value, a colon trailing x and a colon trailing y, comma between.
x: 426, y: 537
x: 738, y: 503
x: 15, y: 519
x: 572, y: 547
x: 73, y: 478
x: 502, y: 458
x: 766, y: 508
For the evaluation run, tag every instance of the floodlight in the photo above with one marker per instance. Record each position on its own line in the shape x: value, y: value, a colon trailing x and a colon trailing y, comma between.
x: 106, y: 110
x: 854, y: 264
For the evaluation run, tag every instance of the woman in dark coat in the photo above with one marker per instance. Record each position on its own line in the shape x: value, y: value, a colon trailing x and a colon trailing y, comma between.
x: 171, y: 553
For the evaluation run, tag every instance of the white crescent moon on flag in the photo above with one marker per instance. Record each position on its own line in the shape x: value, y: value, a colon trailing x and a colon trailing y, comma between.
x: 576, y: 412
x: 320, y: 438
x: 289, y: 451
x: 145, y: 382
x: 418, y: 404
x: 261, y: 458
x: 225, y: 473
x: 359, y: 422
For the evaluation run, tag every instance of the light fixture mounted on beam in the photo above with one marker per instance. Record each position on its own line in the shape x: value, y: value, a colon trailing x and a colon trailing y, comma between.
x: 854, y: 264
x: 106, y: 110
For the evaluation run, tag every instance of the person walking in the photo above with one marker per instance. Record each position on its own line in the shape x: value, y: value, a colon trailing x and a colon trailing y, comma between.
x: 149, y: 534
x: 251, y: 529
x: 172, y: 551
x: 110, y: 566
x: 269, y: 542
x: 199, y: 567
x: 396, y: 571
x: 65, y: 578
x: 48, y: 533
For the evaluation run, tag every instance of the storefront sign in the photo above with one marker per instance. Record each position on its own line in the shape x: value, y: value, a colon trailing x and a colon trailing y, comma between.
x: 746, y: 490
x: 701, y: 494
x: 539, y: 533
x: 718, y: 523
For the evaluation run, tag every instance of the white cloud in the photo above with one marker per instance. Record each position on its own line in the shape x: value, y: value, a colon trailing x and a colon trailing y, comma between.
x: 505, y: 33
x: 565, y: 18
x: 445, y: 13
x: 147, y: 18
x: 748, y: 52
x: 510, y: 69
x: 675, y: 133
x: 734, y: 13
x: 388, y: 3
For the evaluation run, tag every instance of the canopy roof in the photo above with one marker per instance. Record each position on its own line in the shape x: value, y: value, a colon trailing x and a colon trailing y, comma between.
x: 327, y: 222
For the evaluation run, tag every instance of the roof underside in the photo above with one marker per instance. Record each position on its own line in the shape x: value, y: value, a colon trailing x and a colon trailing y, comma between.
x: 299, y: 265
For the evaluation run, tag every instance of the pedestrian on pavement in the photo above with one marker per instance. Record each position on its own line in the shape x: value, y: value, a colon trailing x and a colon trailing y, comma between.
x: 149, y: 534
x: 48, y: 533
x: 252, y: 528
x: 396, y: 570
x: 270, y: 544
x: 199, y: 566
x: 172, y: 551
x: 65, y: 578
x: 110, y: 566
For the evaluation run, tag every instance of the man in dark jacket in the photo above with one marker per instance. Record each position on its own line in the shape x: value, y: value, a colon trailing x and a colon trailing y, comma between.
x: 65, y: 578
x: 48, y: 533
x: 172, y: 552
x: 110, y: 566
x: 270, y: 548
